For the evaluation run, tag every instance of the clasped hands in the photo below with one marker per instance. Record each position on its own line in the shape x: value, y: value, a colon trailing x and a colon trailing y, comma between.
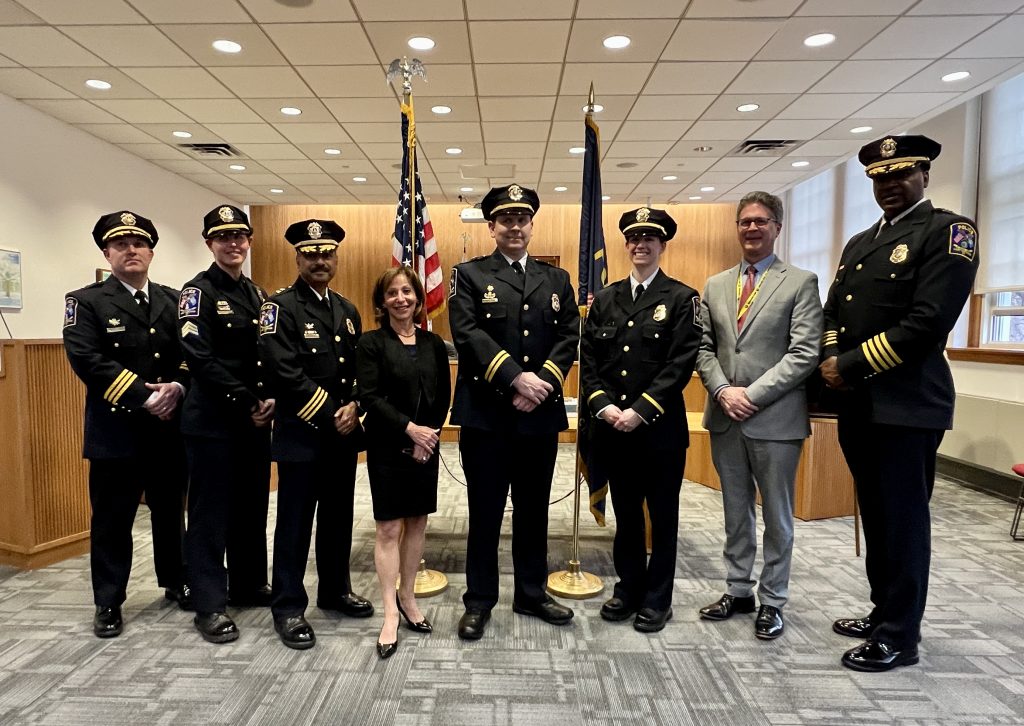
x: 164, y: 399
x: 736, y: 404
x: 424, y: 441
x: 624, y: 421
x: 829, y: 369
x: 530, y: 391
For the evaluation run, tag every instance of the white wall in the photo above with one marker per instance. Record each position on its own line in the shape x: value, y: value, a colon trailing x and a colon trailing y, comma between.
x: 55, y: 182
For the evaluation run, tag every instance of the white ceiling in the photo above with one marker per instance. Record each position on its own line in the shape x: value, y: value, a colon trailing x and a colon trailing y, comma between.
x: 515, y: 75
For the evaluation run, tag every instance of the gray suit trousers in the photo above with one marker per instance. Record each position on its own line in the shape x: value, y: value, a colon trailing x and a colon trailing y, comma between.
x: 745, y: 466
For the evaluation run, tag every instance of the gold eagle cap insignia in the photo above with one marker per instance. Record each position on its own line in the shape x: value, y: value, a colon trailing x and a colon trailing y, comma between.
x: 888, y: 148
x: 643, y: 214
x: 515, y: 192
x: 315, y: 230
x: 129, y: 219
x: 225, y: 214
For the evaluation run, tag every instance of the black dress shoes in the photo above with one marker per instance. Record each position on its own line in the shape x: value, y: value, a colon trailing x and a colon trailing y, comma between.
x: 107, y: 622
x: 295, y: 632
x: 769, y: 624
x: 386, y: 650
x: 422, y: 626
x: 216, y: 627
x: 615, y: 609
x: 472, y: 623
x: 181, y: 595
x: 348, y: 604
x: 727, y: 606
x: 261, y: 597
x: 875, y: 657
x: 649, y: 620
x: 547, y: 610
x: 855, y: 627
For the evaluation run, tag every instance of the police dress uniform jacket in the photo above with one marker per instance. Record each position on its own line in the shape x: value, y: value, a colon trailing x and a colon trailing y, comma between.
x: 116, y: 348
x: 503, y: 324
x: 217, y: 320
x: 308, y: 350
x: 896, y: 296
x: 640, y: 354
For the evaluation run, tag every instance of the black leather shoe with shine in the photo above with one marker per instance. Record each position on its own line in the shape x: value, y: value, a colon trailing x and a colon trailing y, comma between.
x: 295, y: 632
x: 107, y: 622
x: 727, y: 606
x: 769, y: 624
x: 472, y: 623
x: 216, y: 627
x: 854, y: 627
x: 615, y: 609
x: 350, y: 604
x: 875, y: 657
x: 547, y: 610
x: 386, y: 650
x: 181, y: 595
x: 649, y: 620
x: 422, y: 626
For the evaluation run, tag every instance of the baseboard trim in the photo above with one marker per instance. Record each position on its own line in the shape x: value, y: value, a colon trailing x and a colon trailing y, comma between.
x: 979, y: 478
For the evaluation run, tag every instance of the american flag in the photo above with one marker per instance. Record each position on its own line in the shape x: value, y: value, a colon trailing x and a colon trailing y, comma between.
x: 413, y: 243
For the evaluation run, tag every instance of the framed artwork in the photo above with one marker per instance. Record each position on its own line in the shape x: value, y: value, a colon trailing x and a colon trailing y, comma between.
x: 10, y: 279
x: 102, y: 274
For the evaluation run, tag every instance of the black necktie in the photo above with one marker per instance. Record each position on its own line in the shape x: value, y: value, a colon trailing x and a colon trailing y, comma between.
x: 639, y: 292
x: 517, y: 268
x: 143, y: 301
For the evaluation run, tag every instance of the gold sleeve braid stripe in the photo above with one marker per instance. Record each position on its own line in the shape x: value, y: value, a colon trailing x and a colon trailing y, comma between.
x: 500, y: 357
x: 653, y: 402
x: 183, y: 366
x: 550, y: 366
x: 880, y: 354
x: 884, y: 342
x: 314, y: 404
x: 869, y: 356
x: 124, y: 379
x: 594, y: 395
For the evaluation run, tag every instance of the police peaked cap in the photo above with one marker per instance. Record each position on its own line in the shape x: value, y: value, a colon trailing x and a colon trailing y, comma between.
x: 315, y: 235
x: 895, y: 153
x: 511, y: 199
x: 648, y: 221
x: 122, y: 224
x: 225, y: 219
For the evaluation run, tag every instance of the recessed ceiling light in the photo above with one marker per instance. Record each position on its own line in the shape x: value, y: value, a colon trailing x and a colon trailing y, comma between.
x: 453, y: 150
x: 236, y: 167
x: 707, y: 189
x: 227, y: 46
x: 290, y: 111
x: 359, y: 179
x: 181, y: 134
x: 465, y: 189
x: 275, y: 190
x: 615, y: 42
x: 669, y: 177
x: 605, y: 197
x: 421, y: 43
x: 702, y: 148
x: 956, y: 76
x: 819, y: 39
x: 598, y: 108
x: 860, y: 129
x: 98, y: 84
x: 577, y: 150
x: 695, y: 198
x: 441, y: 110
x: 800, y: 164
x: 747, y: 107
x: 332, y: 152
x: 561, y: 189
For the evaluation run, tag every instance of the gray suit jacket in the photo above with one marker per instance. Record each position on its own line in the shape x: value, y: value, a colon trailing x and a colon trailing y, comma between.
x: 773, y: 356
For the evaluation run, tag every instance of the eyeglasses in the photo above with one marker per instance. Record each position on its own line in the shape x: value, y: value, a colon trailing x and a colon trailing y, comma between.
x: 759, y: 222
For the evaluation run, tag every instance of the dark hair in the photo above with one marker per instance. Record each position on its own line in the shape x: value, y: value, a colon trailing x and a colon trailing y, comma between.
x: 769, y: 201
x: 380, y: 314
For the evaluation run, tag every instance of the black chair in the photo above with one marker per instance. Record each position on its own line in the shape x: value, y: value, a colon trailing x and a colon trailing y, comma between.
x: 1018, y: 469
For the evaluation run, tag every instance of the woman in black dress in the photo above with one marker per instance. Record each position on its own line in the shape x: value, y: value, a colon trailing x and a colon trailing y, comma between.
x: 405, y: 389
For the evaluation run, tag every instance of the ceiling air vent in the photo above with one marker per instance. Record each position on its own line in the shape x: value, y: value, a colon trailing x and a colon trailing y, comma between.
x: 211, y: 150
x: 764, y: 147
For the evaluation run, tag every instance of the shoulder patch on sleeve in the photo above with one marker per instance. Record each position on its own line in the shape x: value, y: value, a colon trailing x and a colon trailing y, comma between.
x: 453, y: 283
x: 963, y: 240
x: 268, y: 318
x: 188, y: 303
x: 70, y: 311
x: 696, y: 312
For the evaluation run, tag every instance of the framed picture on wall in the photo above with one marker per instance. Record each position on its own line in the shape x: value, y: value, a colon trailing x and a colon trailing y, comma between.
x: 10, y: 279
x: 102, y: 274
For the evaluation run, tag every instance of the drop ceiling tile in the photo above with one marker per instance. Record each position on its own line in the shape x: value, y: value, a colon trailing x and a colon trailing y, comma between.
x: 570, y: 108
x: 273, y: 11
x: 7, y: 63
x: 383, y: 132
x: 529, y: 79
x: 322, y: 44
x: 656, y: 180
x: 149, y: 111
x: 192, y: 11
x: 262, y: 81
x: 164, y: 132
x: 826, y: 105
x: 777, y: 177
x: 656, y: 108
x: 190, y: 166
x: 252, y: 180
x: 716, y: 148
x: 625, y: 149
x: 446, y: 79
x: 565, y: 165
x: 614, y: 78
x: 347, y: 81
x: 713, y: 178
x: 44, y: 47
x: 619, y: 9
x: 851, y: 34
x: 291, y: 166
x: 975, y: 7
x: 318, y: 191
x: 879, y: 127
x: 780, y: 76
x: 548, y: 40
x: 315, y: 151
x: 817, y: 163
x: 371, y: 10
x: 719, y: 40
x: 84, y: 13
x: 586, y: 42
x: 907, y: 105
x: 270, y: 110
x: 197, y: 41
x: 216, y: 110
x: 861, y: 7
x: 739, y: 129
x: 793, y: 129
x: 741, y: 8
x: 170, y: 83
x: 867, y: 76
x: 981, y: 70
x: 683, y: 78
x: 694, y: 165
x: 153, y: 151
x: 514, y: 149
x: 117, y: 133
x: 652, y: 130
x: 725, y: 106
x: 245, y: 133
x: 455, y: 165
x: 11, y: 13
x: 1000, y: 41
x: 511, y: 131
x: 73, y: 79
x: 572, y: 132
x: 302, y: 180
x: 365, y: 110
x: 466, y: 131
x: 748, y: 164
x: 390, y: 40
x: 23, y: 83
x: 393, y: 151
x: 271, y: 151
x: 143, y: 46
x: 463, y: 108
x: 74, y: 111
x: 305, y: 133
x: 924, y: 37
x: 823, y: 147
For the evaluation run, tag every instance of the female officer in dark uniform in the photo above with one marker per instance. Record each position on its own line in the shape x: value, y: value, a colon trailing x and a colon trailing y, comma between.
x: 638, y: 352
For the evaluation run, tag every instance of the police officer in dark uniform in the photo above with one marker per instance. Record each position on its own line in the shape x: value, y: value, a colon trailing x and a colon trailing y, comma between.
x: 639, y: 349
x: 900, y: 287
x: 308, y: 340
x: 122, y: 341
x: 515, y: 324
x: 226, y: 421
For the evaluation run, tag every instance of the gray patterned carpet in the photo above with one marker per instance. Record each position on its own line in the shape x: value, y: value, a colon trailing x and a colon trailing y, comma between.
x: 53, y: 671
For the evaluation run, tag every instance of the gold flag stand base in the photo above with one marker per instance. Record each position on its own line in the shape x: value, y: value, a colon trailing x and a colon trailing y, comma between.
x: 429, y: 582
x: 574, y: 583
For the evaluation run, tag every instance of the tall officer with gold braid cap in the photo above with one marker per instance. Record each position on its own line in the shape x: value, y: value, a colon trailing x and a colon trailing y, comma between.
x: 899, y: 289
x: 308, y: 336
x: 226, y: 422
x: 122, y: 341
x: 515, y: 325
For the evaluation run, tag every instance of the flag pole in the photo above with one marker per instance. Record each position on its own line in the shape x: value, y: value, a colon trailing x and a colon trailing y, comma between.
x: 574, y: 582
x: 428, y: 582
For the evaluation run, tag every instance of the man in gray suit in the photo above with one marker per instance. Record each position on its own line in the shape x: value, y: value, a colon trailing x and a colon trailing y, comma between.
x: 762, y: 329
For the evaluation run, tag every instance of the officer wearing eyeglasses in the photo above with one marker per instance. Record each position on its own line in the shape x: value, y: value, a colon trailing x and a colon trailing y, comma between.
x: 899, y: 289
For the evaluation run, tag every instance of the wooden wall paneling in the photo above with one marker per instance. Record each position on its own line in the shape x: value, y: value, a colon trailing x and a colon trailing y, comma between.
x: 16, y: 524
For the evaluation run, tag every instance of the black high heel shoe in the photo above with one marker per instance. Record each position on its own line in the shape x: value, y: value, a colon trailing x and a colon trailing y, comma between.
x: 422, y: 626
x: 386, y: 650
